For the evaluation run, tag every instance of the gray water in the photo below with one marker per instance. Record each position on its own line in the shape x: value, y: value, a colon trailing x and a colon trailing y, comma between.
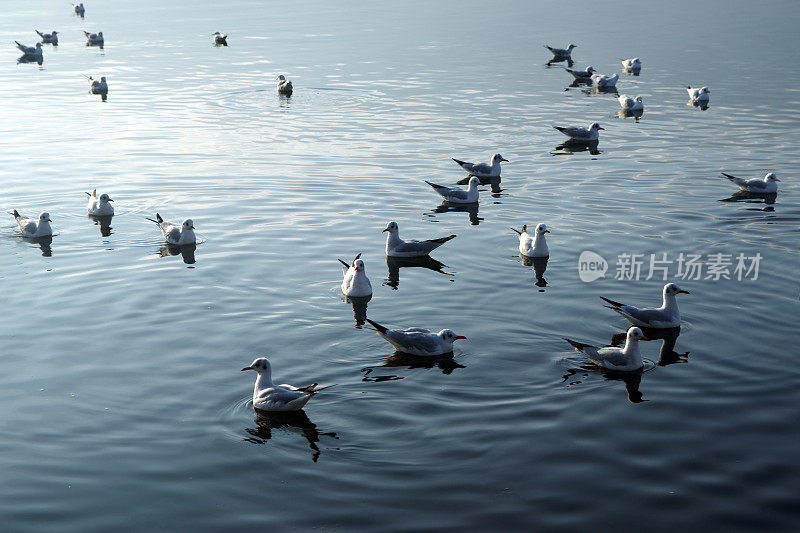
x: 123, y: 403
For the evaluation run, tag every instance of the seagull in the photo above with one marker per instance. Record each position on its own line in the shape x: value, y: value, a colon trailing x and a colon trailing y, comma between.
x: 631, y: 104
x: 31, y: 51
x: 625, y: 359
x: 219, y: 39
x: 177, y: 235
x: 98, y: 87
x: 533, y: 246
x: 590, y: 134
x: 602, y: 80
x: 51, y: 38
x: 666, y: 316
x: 698, y: 95
x: 769, y: 184
x: 34, y: 228
x: 631, y: 64
x: 418, y: 341
x: 561, y: 53
x: 355, y: 282
x: 99, y: 206
x: 455, y: 195
x: 94, y: 38
x: 397, y: 247
x: 483, y: 170
x: 284, y: 85
x: 581, y: 74
x: 270, y: 397
x: 79, y: 9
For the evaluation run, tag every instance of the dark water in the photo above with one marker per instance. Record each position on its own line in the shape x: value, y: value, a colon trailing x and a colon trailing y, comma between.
x: 122, y: 399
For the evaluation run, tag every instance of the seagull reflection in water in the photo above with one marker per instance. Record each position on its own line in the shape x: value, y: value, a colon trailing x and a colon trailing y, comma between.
x: 470, y: 209
x: 628, y: 113
x: 104, y: 222
x: 289, y: 421
x: 25, y: 58
x: 445, y: 362
x: 359, y: 304
x: 702, y: 104
x: 494, y: 183
x: 539, y: 265
x: 394, y: 264
x: 668, y: 336
x: 186, y: 251
x: 44, y: 243
x: 572, y: 146
x: 752, y: 197
x: 632, y: 380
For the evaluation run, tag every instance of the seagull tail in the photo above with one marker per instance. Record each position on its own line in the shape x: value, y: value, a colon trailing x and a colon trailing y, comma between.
x: 442, y: 240
x: 40, y: 33
x: 435, y: 186
x: 345, y: 265
x: 729, y: 176
x: 612, y: 302
x: 15, y: 213
x: 462, y: 163
x: 314, y: 390
x: 158, y: 219
x: 577, y: 345
x: 548, y: 47
x: 515, y: 230
x: 378, y: 327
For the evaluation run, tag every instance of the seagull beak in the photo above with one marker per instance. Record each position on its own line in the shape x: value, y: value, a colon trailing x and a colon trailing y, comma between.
x: 776, y: 179
x: 506, y: 160
x: 247, y: 368
x: 460, y: 337
x: 645, y: 338
x: 387, y: 229
x: 110, y: 200
x: 681, y: 291
x: 191, y: 227
x: 49, y: 220
x: 600, y: 128
x: 547, y: 231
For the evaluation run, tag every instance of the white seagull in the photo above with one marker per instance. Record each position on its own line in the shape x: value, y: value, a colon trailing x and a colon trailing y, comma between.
x: 418, y: 341
x: 30, y: 51
x: 698, y: 95
x: 397, y: 247
x: 270, y: 397
x: 631, y: 64
x: 94, y: 38
x: 51, y: 38
x: 561, y: 53
x: 575, y: 133
x: 355, y: 282
x: 79, y: 9
x: 483, y: 170
x: 581, y: 74
x: 666, y: 316
x: 602, y: 80
x: 454, y: 195
x: 177, y: 235
x: 625, y: 359
x: 34, y: 228
x: 284, y: 85
x: 98, y: 87
x: 99, y: 206
x: 219, y: 39
x: 768, y: 184
x: 631, y: 104
x: 533, y: 246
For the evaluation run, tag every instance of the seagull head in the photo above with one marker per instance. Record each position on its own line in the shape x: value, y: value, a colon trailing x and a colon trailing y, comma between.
x: 188, y: 224
x: 100, y: 35
x: 281, y: 77
x: 636, y: 334
x: 590, y: 69
x: 541, y: 229
x: 595, y: 126
x: 474, y: 182
x: 259, y: 365
x: 571, y: 46
x: 705, y: 90
x: 496, y: 158
x: 671, y: 289
x: 639, y: 99
x: 44, y: 217
x: 449, y: 336
x: 358, y: 264
x: 105, y: 199
x: 771, y: 177
x: 216, y: 33
x: 391, y: 227
x: 102, y: 79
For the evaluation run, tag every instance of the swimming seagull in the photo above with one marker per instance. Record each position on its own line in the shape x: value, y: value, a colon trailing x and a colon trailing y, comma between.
x: 219, y: 39
x: 34, y: 228
x: 284, y: 85
x: 533, y: 246
x: 270, y: 397
x: 177, y: 235
x: 769, y: 184
x: 631, y: 64
x: 94, y: 38
x: 561, y: 53
x: 666, y: 316
x: 99, y: 206
x: 483, y: 170
x: 397, y: 247
x: 98, y: 87
x: 625, y: 359
x: 631, y: 104
x: 30, y: 51
x: 355, y: 282
x: 575, y: 133
x: 455, y: 195
x: 79, y: 9
x: 602, y: 80
x: 698, y: 95
x: 51, y: 38
x: 418, y: 341
x: 582, y: 74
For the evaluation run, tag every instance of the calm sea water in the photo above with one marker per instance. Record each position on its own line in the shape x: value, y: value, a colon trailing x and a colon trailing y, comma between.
x: 123, y: 403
